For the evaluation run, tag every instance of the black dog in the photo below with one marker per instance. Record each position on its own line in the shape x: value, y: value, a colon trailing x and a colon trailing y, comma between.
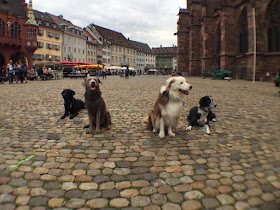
x: 201, y: 114
x: 71, y: 105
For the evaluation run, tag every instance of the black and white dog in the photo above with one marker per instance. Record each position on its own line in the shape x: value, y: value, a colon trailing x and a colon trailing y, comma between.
x: 71, y: 105
x: 201, y: 114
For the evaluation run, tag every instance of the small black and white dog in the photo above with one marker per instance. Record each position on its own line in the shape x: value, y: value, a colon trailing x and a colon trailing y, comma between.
x: 201, y: 114
x: 71, y: 105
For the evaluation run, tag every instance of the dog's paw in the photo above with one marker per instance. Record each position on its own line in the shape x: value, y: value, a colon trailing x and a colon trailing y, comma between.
x: 86, y: 126
x: 161, y: 135
x: 171, y: 134
x: 97, y: 132
x: 189, y: 128
x: 62, y: 117
x: 108, y: 127
x: 89, y: 132
x: 207, y: 130
x: 71, y: 117
x: 154, y: 130
x: 214, y: 120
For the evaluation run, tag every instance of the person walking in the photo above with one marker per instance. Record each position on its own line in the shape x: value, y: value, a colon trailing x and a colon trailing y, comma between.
x: 10, y: 71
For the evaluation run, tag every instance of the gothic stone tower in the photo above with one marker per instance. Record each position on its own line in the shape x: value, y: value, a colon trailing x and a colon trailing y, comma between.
x: 219, y: 34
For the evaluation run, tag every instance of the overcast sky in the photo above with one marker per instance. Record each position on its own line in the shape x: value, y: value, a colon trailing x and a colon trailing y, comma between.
x: 150, y: 21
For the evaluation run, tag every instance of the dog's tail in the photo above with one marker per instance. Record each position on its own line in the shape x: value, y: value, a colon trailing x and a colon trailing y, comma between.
x: 148, y: 121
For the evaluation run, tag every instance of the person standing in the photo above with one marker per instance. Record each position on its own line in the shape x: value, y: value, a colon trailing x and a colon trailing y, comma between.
x: 24, y: 68
x: 17, y: 69
x: 103, y: 73
x: 126, y: 72
x: 11, y: 71
x: 1, y: 75
x: 20, y: 72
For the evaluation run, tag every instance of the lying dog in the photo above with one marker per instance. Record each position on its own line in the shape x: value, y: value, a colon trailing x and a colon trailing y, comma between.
x: 169, y: 104
x: 97, y: 112
x: 71, y: 105
x: 201, y: 114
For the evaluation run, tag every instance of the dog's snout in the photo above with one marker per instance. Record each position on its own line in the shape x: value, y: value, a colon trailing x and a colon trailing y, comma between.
x: 190, y: 87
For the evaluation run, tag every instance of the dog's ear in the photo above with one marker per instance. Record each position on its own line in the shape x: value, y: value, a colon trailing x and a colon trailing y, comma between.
x: 84, y: 82
x: 203, y: 102
x: 99, y: 81
x: 72, y: 92
x: 169, y: 82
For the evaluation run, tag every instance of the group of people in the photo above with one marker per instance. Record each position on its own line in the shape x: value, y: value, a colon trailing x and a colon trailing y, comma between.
x: 102, y: 72
x: 45, y: 73
x: 126, y: 73
x: 15, y: 71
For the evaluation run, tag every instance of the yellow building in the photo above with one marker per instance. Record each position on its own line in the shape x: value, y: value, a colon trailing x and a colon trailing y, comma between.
x: 123, y: 56
x: 49, y: 39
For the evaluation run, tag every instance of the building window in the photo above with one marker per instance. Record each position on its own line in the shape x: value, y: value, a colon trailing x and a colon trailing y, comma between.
x: 273, y: 32
x: 31, y: 34
x: 40, y: 32
x: 243, y: 36
x: 2, y: 27
x: 15, y: 30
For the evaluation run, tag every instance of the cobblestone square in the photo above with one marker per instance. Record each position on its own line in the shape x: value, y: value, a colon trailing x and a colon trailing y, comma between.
x: 49, y: 163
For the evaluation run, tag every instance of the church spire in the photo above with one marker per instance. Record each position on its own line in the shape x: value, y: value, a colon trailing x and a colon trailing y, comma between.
x: 30, y: 5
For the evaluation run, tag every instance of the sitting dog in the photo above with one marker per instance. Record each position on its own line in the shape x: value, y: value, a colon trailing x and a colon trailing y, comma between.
x: 167, y: 108
x: 97, y: 112
x: 201, y: 114
x: 71, y: 105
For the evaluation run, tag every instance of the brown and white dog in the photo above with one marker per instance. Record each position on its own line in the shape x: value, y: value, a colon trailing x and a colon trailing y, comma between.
x: 169, y: 104
x: 97, y: 112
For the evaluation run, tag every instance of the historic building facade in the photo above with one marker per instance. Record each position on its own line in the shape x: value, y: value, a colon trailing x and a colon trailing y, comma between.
x: 49, y: 38
x: 116, y: 50
x: 165, y: 58
x: 144, y: 56
x: 239, y: 35
x: 91, y: 48
x: 74, y: 43
x: 17, y: 32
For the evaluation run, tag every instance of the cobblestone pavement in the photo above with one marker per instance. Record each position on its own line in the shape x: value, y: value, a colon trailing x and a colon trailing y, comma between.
x: 49, y: 163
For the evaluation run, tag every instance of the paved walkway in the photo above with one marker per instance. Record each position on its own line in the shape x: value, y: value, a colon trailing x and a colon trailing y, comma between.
x: 49, y: 163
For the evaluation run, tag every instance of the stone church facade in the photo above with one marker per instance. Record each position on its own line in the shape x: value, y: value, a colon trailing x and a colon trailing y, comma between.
x: 220, y: 34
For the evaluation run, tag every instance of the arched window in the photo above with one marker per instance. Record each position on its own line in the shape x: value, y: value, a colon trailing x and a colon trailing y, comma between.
x: 15, y: 30
x: 243, y: 36
x: 273, y: 31
x: 2, y: 27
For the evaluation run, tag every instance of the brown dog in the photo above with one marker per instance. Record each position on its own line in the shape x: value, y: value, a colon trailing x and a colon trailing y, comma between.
x: 97, y: 112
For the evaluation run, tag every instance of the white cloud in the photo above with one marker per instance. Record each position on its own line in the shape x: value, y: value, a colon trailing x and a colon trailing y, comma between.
x: 150, y: 21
